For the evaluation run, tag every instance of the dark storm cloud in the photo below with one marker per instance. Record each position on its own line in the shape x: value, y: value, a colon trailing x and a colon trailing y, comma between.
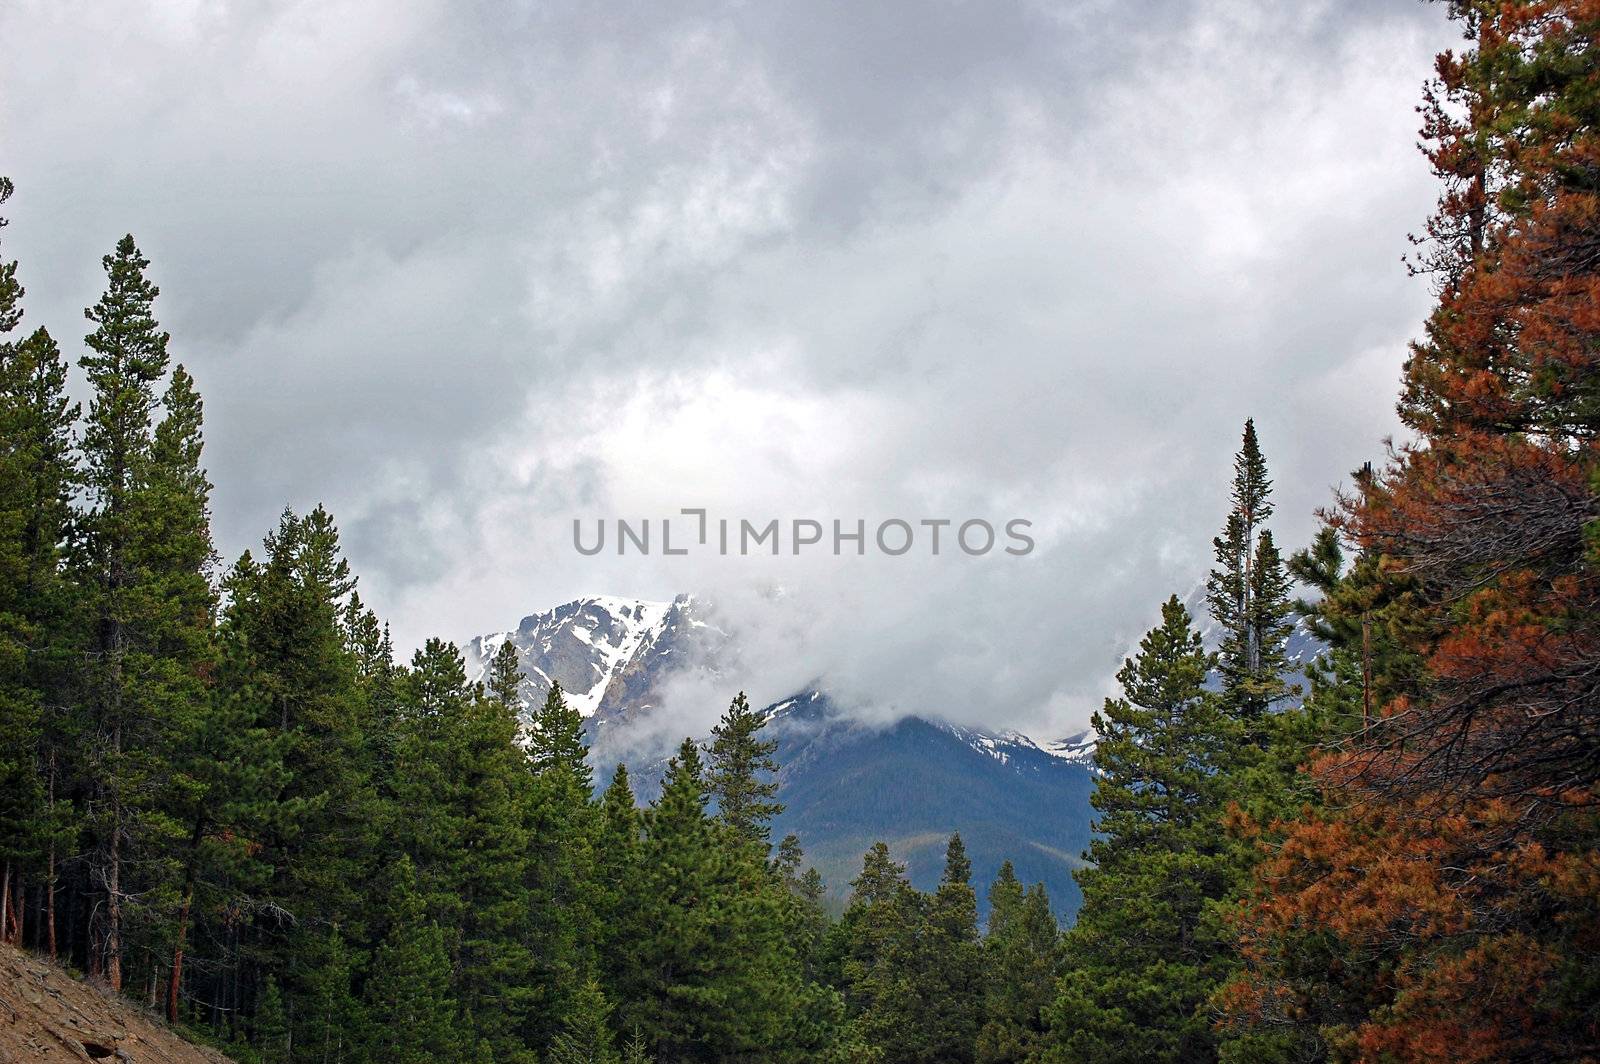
x: 463, y: 271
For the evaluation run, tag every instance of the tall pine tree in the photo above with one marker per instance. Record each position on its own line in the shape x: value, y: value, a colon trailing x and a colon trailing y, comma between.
x: 1021, y: 957
x: 39, y: 633
x: 145, y: 551
x: 746, y: 801
x: 1248, y: 591
x: 1149, y: 945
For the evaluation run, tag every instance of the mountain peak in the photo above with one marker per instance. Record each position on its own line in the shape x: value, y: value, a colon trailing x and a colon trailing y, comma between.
x: 606, y: 651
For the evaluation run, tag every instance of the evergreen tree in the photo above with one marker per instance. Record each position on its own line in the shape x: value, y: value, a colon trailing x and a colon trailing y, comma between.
x: 175, y: 557
x: 1248, y: 591
x: 271, y: 1034
x: 39, y: 630
x: 234, y: 772
x: 11, y: 290
x: 409, y: 1004
x: 378, y: 679
x: 464, y: 784
x: 506, y: 677
x: 329, y: 1023
x: 745, y: 801
x: 556, y: 738
x: 880, y: 960
x: 287, y: 655
x: 1021, y: 953
x: 678, y: 870
x: 585, y: 1037
x: 635, y: 1051
x: 808, y: 921
x: 37, y: 475
x: 712, y: 977
x: 618, y: 901
x: 562, y: 886
x: 146, y: 547
x: 1149, y: 945
x: 952, y: 962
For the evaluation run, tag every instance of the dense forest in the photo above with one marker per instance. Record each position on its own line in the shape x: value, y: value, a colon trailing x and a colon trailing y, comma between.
x: 221, y: 795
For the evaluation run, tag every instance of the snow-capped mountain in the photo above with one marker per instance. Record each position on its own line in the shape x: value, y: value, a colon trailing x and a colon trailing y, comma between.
x: 845, y: 783
x: 609, y: 654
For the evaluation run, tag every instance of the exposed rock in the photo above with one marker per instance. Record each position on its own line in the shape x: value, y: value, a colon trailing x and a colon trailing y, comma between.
x: 48, y: 1015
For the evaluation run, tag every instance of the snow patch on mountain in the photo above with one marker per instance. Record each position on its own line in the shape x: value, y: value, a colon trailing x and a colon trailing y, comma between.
x: 611, y: 656
x: 1012, y: 747
x: 586, y: 645
x: 1077, y: 747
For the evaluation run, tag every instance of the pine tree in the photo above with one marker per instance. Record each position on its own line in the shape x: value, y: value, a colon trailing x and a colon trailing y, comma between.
x: 808, y: 922
x: 635, y: 1051
x: 271, y: 1034
x: 745, y: 801
x: 233, y: 768
x: 713, y: 975
x: 1021, y: 951
x: 506, y: 677
x: 674, y: 949
x: 176, y: 557
x: 410, y: 1007
x: 1455, y: 853
x: 585, y: 1037
x: 145, y: 543
x: 1149, y: 945
x: 497, y: 962
x: 951, y: 971
x: 878, y: 944
x: 562, y: 887
x: 329, y: 1023
x: 464, y: 783
x: 11, y: 291
x: 1248, y: 592
x: 370, y: 645
x: 287, y: 656
x: 39, y: 629
x: 556, y: 738
x: 618, y: 901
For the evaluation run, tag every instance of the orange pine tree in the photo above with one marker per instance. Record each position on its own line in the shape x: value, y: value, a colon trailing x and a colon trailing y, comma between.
x: 1444, y: 905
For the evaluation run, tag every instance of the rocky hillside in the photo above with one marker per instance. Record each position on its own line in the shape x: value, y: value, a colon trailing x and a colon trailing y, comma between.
x: 46, y: 1015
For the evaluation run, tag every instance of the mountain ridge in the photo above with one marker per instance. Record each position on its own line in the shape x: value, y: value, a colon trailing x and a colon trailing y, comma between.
x: 846, y: 782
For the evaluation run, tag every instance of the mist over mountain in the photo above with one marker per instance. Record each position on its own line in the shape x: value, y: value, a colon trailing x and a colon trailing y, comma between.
x: 846, y: 780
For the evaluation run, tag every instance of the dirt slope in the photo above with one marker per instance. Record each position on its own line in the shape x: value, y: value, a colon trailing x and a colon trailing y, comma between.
x: 46, y: 1015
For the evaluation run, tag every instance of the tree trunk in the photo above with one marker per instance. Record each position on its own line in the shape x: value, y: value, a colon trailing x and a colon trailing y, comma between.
x: 1366, y: 673
x: 19, y: 911
x: 50, y: 868
x: 175, y: 983
x: 5, y: 905
x: 113, y: 942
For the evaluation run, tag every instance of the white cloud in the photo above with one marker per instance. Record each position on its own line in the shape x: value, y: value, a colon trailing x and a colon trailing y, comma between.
x: 466, y: 271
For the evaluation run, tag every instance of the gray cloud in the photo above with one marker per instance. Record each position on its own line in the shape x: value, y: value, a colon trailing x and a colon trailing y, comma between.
x: 465, y: 271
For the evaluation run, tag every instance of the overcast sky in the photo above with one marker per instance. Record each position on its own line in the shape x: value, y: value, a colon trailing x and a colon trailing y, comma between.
x: 464, y: 271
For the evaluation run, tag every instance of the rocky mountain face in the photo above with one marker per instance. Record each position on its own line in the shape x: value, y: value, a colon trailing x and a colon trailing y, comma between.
x: 610, y: 655
x: 846, y: 783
